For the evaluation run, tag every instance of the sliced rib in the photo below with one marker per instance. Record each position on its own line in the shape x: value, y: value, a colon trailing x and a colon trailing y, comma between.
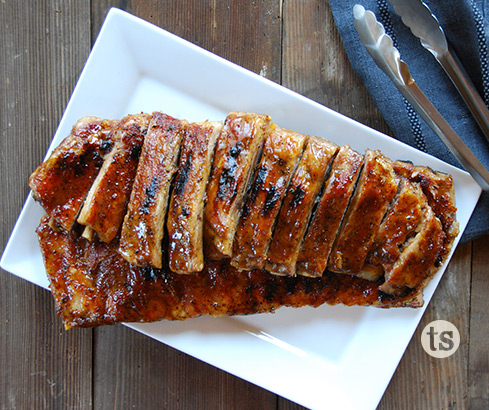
x: 281, y: 152
x: 397, y: 227
x: 439, y: 190
x: 317, y: 244
x: 237, y: 150
x: 105, y: 205
x: 143, y: 227
x: 297, y: 206
x: 420, y: 257
x: 185, y: 212
x: 377, y: 186
x: 61, y: 183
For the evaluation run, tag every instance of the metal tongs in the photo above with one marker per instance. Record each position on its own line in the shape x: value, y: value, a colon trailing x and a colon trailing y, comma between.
x: 387, y: 57
x: 423, y: 24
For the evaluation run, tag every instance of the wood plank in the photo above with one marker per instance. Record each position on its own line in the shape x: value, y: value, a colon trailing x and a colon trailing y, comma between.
x: 315, y: 63
x: 478, y: 360
x: 246, y: 33
x: 429, y: 382
x: 134, y: 370
x: 44, y: 46
x: 43, y: 366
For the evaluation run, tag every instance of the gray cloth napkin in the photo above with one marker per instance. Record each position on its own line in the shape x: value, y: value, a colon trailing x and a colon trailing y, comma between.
x: 466, y: 25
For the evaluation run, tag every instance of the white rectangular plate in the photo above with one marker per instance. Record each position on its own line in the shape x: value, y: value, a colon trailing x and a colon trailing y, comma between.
x: 324, y: 357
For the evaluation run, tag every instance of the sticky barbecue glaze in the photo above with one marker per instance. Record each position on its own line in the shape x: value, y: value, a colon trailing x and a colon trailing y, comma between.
x: 377, y: 186
x: 395, y: 226
x: 62, y: 182
x: 185, y: 212
x: 93, y: 285
x: 281, y: 153
x: 237, y: 149
x: 143, y: 227
x: 298, y: 205
x: 106, y: 202
x: 316, y: 247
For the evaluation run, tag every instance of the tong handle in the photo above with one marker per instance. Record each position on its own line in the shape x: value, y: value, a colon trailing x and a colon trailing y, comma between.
x: 453, y: 67
x: 387, y: 57
x: 445, y: 132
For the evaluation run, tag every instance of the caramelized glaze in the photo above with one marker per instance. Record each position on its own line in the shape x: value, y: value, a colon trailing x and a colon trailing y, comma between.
x: 237, y: 150
x: 281, y: 152
x: 297, y: 206
x: 143, y: 227
x: 61, y: 183
x: 185, y: 212
x: 377, y: 186
x: 320, y: 236
x: 106, y: 202
x: 390, y: 223
x: 93, y: 285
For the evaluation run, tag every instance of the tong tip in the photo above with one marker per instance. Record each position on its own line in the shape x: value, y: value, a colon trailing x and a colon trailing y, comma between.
x: 358, y: 11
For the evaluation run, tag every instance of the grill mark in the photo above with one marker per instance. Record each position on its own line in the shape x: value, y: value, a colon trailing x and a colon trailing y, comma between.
x: 182, y: 177
x: 270, y: 200
x: 228, y: 178
x: 106, y: 146
x: 88, y: 158
x: 257, y: 186
x: 236, y: 150
x: 136, y: 152
x: 353, y: 193
x: 297, y: 196
x: 150, y: 193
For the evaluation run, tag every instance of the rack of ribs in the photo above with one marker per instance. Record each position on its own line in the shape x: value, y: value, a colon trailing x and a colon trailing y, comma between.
x: 153, y: 217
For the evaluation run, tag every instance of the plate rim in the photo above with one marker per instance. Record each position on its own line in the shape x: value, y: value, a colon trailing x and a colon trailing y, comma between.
x: 112, y: 17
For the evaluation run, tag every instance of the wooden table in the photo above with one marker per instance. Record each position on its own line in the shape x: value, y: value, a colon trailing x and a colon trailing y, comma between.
x: 295, y: 43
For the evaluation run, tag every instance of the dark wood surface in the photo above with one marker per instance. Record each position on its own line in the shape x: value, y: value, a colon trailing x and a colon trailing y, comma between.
x: 295, y: 43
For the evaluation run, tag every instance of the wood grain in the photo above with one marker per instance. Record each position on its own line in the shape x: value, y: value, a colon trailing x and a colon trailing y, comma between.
x: 315, y: 64
x: 246, y: 33
x: 44, y: 47
x: 478, y: 359
x: 165, y: 378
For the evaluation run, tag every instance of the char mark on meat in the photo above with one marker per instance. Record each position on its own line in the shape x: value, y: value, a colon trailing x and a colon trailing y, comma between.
x: 297, y: 206
x: 185, y: 213
x: 237, y: 150
x: 143, y: 228
x: 61, y: 183
x: 281, y: 153
x: 377, y: 187
x: 106, y: 202
x: 317, y: 244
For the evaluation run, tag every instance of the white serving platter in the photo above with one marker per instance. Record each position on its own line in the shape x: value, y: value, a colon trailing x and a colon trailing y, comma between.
x: 328, y: 357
